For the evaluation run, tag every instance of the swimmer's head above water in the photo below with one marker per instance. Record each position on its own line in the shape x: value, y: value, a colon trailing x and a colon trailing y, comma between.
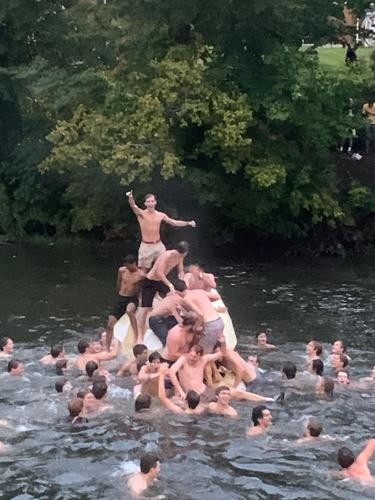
x: 15, y: 367
x: 289, y: 370
x: 261, y: 416
x: 6, y: 345
x: 143, y: 402
x: 193, y: 399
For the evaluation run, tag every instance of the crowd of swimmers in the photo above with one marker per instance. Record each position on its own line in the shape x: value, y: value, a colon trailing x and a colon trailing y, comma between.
x: 195, y: 372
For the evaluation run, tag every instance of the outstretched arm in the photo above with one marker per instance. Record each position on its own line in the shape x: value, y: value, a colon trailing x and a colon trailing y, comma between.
x: 133, y: 204
x: 177, y: 223
x: 162, y: 395
x: 367, y: 452
x: 249, y: 396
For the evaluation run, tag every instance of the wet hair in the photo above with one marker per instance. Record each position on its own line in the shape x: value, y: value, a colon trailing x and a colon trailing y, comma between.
x: 99, y: 390
x: 189, y: 318
x: 148, y: 462
x: 60, y: 364
x: 82, y: 393
x: 221, y: 388
x: 182, y: 247
x: 3, y: 342
x: 345, y: 457
x: 317, y: 366
x: 317, y: 347
x: 143, y: 402
x: 197, y: 348
x: 148, y: 195
x: 344, y: 360
x: 343, y: 371
x: 328, y: 386
x: 193, y: 399
x: 98, y: 379
x: 91, y: 367
x: 56, y: 350
x: 314, y: 427
x: 83, y: 344
x: 180, y: 285
x: 130, y: 259
x: 289, y: 370
x: 343, y: 344
x: 258, y: 413
x: 153, y: 356
x: 260, y: 333
x: 13, y: 364
x: 75, y: 407
x: 198, y: 264
x: 59, y: 384
x: 139, y: 349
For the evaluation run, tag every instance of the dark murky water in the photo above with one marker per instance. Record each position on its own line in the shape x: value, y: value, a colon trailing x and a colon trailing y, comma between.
x: 51, y: 294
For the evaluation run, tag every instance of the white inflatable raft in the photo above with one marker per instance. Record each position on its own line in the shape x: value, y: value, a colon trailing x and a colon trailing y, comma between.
x: 124, y: 332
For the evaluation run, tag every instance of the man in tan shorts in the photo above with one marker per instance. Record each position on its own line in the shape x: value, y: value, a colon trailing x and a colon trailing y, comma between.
x: 149, y: 222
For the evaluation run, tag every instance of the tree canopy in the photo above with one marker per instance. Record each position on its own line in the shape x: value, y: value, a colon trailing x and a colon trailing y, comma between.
x: 96, y: 96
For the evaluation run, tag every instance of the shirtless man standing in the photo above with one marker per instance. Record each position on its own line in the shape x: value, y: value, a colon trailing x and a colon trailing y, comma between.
x: 129, y: 278
x: 156, y: 280
x: 149, y: 222
x: 356, y: 468
x: 213, y: 325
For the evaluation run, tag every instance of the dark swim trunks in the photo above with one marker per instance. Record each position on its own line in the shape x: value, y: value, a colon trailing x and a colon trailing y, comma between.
x: 122, y: 303
x: 149, y: 289
x: 161, y: 325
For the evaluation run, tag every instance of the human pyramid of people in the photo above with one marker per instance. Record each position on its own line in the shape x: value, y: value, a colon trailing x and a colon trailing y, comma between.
x: 196, y: 372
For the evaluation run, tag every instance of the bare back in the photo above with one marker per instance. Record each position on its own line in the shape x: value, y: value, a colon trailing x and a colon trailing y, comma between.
x: 164, y: 264
x: 167, y: 306
x: 201, y: 299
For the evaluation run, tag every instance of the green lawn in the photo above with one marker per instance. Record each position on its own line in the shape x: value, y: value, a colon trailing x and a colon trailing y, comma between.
x: 334, y: 57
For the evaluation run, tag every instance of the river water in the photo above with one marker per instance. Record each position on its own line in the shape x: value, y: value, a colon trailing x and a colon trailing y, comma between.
x: 53, y: 294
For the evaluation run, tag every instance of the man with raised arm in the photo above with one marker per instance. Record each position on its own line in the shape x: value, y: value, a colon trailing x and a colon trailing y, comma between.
x: 149, y: 222
x: 356, y: 468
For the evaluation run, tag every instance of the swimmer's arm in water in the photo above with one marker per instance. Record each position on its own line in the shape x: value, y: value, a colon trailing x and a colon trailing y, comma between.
x: 366, y: 453
x: 133, y: 205
x: 177, y: 223
x: 162, y: 395
x: 106, y: 356
x: 173, y: 374
x: 248, y: 396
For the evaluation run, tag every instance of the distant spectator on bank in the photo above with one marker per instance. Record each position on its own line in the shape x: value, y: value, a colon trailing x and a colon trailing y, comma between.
x: 351, y: 53
x: 369, y: 111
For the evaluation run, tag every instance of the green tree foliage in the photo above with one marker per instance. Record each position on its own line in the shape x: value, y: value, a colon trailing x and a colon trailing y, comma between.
x: 111, y: 94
